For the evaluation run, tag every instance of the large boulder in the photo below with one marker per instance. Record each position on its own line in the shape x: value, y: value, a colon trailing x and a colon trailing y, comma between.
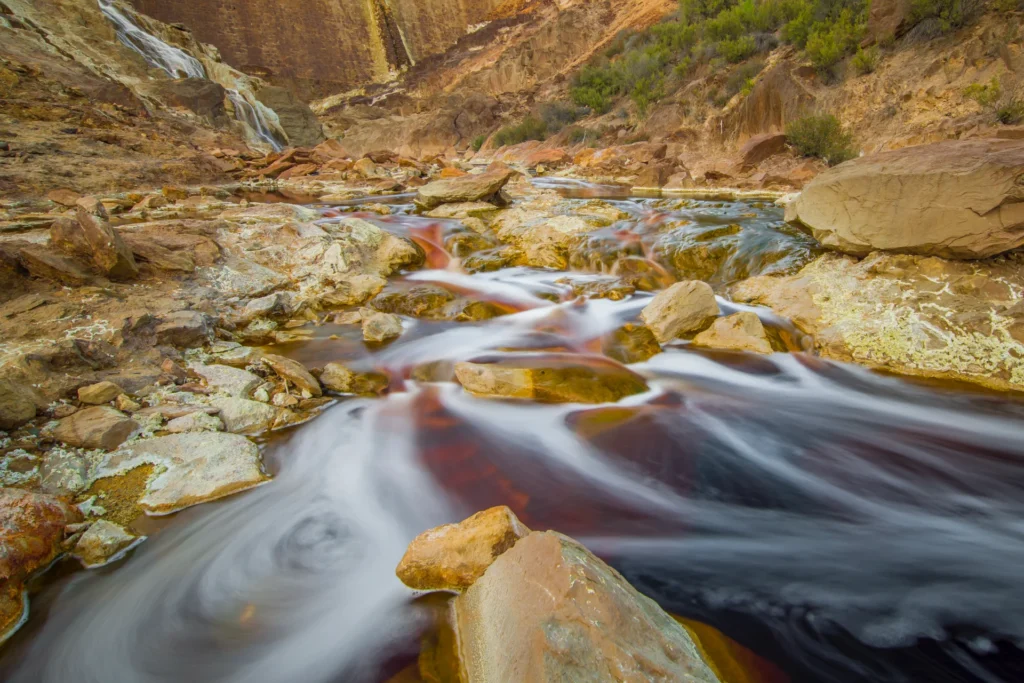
x: 109, y: 252
x: 297, y: 120
x: 683, y: 308
x: 98, y: 427
x: 484, y: 186
x: 17, y: 404
x: 960, y: 199
x: 741, y: 331
x: 548, y: 610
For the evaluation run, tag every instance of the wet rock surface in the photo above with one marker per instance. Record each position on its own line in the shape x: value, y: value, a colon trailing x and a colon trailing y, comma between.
x: 683, y: 308
x: 550, y: 379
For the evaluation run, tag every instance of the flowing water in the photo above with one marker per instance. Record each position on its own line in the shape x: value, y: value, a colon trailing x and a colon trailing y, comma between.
x: 842, y: 525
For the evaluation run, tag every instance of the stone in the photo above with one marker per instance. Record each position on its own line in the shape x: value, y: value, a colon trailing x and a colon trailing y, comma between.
x: 44, y: 263
x: 298, y: 121
x: 366, y: 169
x: 889, y: 19
x: 463, y: 210
x: 961, y: 199
x: 99, y: 393
x: 630, y: 344
x: 548, y: 610
x: 98, y: 427
x: 471, y: 188
x: 104, y: 542
x: 454, y: 556
x: 551, y: 378
x: 337, y: 377
x: 109, y: 252
x: 64, y: 472
x: 294, y: 372
x: 125, y: 404
x: 760, y: 147
x: 64, y: 197
x: 655, y: 175
x: 183, y: 329
x: 196, y: 468
x: 262, y: 307
x: 379, y: 327
x: 31, y: 531
x: 17, y: 404
x: 198, y: 421
x: 242, y: 416
x: 683, y: 308
x: 224, y: 379
x: 741, y: 331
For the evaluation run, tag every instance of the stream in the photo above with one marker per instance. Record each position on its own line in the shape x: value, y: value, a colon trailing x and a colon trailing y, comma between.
x: 840, y: 524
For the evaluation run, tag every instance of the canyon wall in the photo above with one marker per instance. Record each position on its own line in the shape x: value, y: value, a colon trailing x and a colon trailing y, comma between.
x: 318, y: 47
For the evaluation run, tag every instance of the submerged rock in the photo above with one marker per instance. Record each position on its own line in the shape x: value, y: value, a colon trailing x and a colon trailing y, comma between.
x: 104, y: 542
x: 550, y: 378
x: 630, y: 344
x: 454, y: 556
x: 193, y: 468
x: 470, y: 188
x: 957, y: 199
x: 741, y: 331
x: 99, y: 427
x: 380, y: 327
x: 683, y: 308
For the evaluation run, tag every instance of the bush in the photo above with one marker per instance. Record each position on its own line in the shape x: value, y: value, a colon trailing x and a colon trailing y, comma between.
x: 743, y: 77
x: 951, y: 14
x: 821, y: 136
x: 1011, y: 113
x: 985, y: 94
x: 557, y: 115
x: 530, y: 128
x: 736, y: 50
x: 578, y: 134
x: 828, y: 43
x: 647, y: 91
x: 478, y: 142
x: 866, y: 61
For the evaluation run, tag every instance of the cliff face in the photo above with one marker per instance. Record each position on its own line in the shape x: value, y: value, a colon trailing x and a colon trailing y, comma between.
x: 322, y: 46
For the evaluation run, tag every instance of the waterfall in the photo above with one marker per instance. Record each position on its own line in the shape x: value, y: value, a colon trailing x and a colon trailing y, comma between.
x: 253, y: 117
x: 176, y: 62
x: 179, y: 64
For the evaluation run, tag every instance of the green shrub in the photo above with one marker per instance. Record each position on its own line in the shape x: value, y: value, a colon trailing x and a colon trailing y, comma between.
x: 579, y: 134
x: 985, y: 94
x: 1011, y: 113
x: 829, y: 42
x: 530, y: 128
x: 742, y: 79
x: 951, y: 14
x: 478, y: 142
x: 736, y: 50
x: 647, y: 91
x: 866, y: 61
x: 558, y: 115
x: 822, y: 136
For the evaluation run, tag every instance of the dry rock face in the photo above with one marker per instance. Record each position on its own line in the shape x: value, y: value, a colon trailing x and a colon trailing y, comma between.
x: 453, y: 556
x: 682, y: 308
x: 955, y: 199
x: 548, y: 610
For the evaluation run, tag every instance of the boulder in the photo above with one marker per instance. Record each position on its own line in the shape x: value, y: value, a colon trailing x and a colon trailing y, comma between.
x: 337, y: 377
x: 683, y: 308
x: 97, y: 427
x: 17, y: 404
x: 298, y: 121
x: 197, y: 468
x: 198, y: 421
x: 760, y: 147
x: 961, y: 199
x: 741, y: 331
x: 201, y: 96
x: 294, y: 372
x: 242, y: 416
x: 551, y: 378
x: 454, y: 556
x: 380, y: 327
x: 64, y: 197
x: 99, y: 393
x: 548, y: 610
x: 484, y: 186
x: 109, y: 252
x: 225, y: 379
x: 45, y: 263
x: 183, y: 328
x: 104, y: 542
x: 31, y: 532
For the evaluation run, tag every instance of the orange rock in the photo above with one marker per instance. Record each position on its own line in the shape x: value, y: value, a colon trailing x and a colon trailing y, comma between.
x: 452, y: 172
x: 298, y: 171
x: 453, y: 556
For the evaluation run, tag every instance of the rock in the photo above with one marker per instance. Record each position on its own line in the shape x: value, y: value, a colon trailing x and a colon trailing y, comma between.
x: 198, y: 421
x: 49, y: 265
x: 109, y: 252
x: 201, y: 96
x: 183, y: 329
x: 97, y: 427
x: 125, y: 404
x: 630, y: 344
x: 366, y: 169
x: 104, y: 542
x: 471, y: 188
x: 31, y: 532
x: 551, y: 379
x: 956, y: 199
x: 889, y: 19
x: 760, y: 147
x: 197, y: 468
x: 297, y: 120
x: 379, y: 327
x: 241, y: 416
x: 261, y: 307
x: 17, y: 404
x: 741, y: 331
x: 463, y: 210
x: 548, y: 610
x: 64, y: 472
x: 337, y: 377
x: 225, y: 379
x: 99, y: 393
x: 655, y: 175
x: 454, y: 556
x: 64, y: 197
x: 682, y: 308
x: 293, y: 372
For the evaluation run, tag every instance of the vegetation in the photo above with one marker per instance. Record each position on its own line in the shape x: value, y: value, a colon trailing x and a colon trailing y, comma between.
x: 558, y: 115
x: 950, y: 14
x: 478, y: 142
x: 866, y: 61
x: 1011, y: 113
x: 530, y: 128
x: 985, y: 94
x: 821, y: 136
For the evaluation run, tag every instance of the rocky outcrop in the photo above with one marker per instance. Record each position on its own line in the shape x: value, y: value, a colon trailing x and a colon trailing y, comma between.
x: 955, y: 199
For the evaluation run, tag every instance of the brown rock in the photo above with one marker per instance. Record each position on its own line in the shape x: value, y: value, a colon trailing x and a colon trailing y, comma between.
x: 366, y: 168
x: 293, y: 372
x: 454, y: 556
x: 552, y: 378
x: 741, y: 331
x: 99, y: 427
x: 49, y: 265
x: 471, y: 188
x: 329, y: 150
x: 339, y: 378
x: 547, y: 610
x: 379, y: 327
x: 183, y: 328
x: 17, y: 404
x: 889, y: 18
x: 100, y: 393
x: 66, y: 235
x: 64, y: 197
x: 655, y: 175
x: 298, y: 171
x: 110, y: 254
x: 682, y: 308
x: 959, y: 199
x: 760, y: 147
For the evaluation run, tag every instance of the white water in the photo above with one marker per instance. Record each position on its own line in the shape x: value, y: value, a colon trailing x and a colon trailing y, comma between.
x: 255, y: 120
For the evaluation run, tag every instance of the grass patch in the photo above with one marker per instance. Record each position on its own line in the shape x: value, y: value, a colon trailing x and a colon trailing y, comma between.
x: 821, y: 136
x: 478, y: 142
x: 950, y: 14
x: 530, y: 128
